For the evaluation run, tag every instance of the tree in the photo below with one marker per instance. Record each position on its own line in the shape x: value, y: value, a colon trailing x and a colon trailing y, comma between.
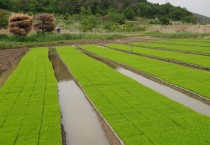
x: 20, y: 24
x: 129, y: 13
x: 189, y: 19
x: 164, y: 21
x: 44, y: 23
x: 116, y: 17
x: 3, y: 19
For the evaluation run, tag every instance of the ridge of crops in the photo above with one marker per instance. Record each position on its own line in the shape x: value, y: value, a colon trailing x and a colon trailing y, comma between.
x: 188, y: 78
x: 138, y: 114
x: 185, y: 48
x: 199, y: 60
x: 29, y: 112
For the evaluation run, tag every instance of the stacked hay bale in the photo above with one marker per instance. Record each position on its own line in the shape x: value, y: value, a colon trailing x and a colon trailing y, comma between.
x: 44, y: 23
x: 20, y: 24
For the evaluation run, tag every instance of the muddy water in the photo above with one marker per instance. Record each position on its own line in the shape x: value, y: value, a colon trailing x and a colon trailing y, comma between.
x: 164, y: 90
x: 79, y: 120
x: 169, y: 92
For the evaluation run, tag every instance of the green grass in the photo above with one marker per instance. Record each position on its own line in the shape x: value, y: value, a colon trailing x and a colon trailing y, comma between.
x: 139, y: 115
x: 9, y: 41
x: 186, y: 42
x: 191, y: 79
x: 188, y: 58
x: 194, y: 49
x: 29, y: 109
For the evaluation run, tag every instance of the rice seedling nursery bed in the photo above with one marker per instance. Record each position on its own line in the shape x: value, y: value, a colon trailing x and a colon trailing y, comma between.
x: 186, y: 42
x: 137, y: 114
x: 170, y: 46
x: 188, y: 78
x: 29, y: 110
x: 203, y: 61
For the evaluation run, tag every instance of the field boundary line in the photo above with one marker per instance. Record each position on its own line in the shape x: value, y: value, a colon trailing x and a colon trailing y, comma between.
x: 153, y: 78
x: 194, y: 66
x: 102, y: 120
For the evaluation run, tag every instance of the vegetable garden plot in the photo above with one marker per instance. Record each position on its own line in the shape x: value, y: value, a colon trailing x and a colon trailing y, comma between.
x: 188, y: 78
x: 137, y: 114
x: 191, y: 49
x: 203, y: 61
x: 29, y: 110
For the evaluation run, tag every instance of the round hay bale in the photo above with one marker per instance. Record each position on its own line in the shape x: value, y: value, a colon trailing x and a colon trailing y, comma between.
x: 20, y: 24
x: 44, y: 23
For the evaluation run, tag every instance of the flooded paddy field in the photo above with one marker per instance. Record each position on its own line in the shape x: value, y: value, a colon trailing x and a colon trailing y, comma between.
x: 89, y: 95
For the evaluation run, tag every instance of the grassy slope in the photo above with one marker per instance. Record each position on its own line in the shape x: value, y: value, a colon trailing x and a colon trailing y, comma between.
x: 174, y: 47
x: 29, y: 110
x: 191, y: 79
x: 188, y: 58
x: 137, y: 114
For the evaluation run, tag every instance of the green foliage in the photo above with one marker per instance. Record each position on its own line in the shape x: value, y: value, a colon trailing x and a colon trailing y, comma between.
x: 156, y: 21
x: 187, y: 58
x: 66, y: 16
x: 88, y: 23
x: 111, y: 26
x: 129, y: 13
x: 46, y: 39
x: 129, y: 26
x: 189, y: 19
x: 116, y: 17
x: 3, y: 19
x: 136, y: 113
x: 164, y: 21
x: 129, y: 8
x: 85, y: 12
x: 188, y: 78
x: 29, y: 103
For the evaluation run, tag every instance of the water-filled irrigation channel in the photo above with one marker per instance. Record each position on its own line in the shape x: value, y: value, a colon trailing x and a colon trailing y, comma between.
x: 79, y: 119
x: 165, y: 90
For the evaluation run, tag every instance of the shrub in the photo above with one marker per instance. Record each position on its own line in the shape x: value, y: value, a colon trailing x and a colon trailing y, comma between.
x: 3, y: 19
x: 129, y: 26
x: 129, y: 13
x: 189, y: 19
x: 88, y: 23
x: 44, y: 23
x: 20, y: 24
x: 164, y: 21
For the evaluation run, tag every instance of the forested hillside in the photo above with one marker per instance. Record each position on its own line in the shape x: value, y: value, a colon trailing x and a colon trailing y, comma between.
x: 129, y: 8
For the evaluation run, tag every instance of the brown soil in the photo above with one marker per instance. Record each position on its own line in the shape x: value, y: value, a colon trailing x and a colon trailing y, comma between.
x: 9, y: 56
x: 63, y: 135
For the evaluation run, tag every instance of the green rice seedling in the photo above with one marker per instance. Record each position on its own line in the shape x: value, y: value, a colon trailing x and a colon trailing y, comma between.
x: 192, y: 49
x: 29, y: 109
x: 186, y: 42
x: 203, y: 61
x: 188, y: 78
x: 137, y: 114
